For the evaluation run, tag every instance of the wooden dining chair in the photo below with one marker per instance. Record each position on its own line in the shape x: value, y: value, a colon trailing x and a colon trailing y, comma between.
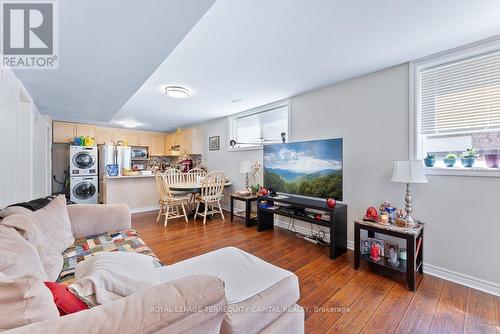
x: 168, y: 203
x: 211, y: 193
x: 195, y: 176
x: 195, y: 173
x: 175, y: 176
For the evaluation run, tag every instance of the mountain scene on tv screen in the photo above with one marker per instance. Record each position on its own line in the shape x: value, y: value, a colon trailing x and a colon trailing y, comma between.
x: 311, y: 168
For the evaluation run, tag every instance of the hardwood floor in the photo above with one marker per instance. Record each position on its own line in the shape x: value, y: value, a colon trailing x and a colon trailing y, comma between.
x: 337, y: 298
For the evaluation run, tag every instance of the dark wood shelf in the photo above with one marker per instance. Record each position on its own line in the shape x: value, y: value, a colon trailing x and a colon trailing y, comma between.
x: 384, y: 263
x: 279, y: 212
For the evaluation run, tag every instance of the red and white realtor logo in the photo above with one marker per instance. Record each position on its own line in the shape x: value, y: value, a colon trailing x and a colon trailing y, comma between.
x: 29, y: 34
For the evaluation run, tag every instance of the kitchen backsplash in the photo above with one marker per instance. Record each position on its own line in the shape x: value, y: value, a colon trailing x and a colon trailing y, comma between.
x: 174, y: 162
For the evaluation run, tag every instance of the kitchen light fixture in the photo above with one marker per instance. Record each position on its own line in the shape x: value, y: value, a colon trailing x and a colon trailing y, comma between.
x: 177, y: 91
x: 129, y: 124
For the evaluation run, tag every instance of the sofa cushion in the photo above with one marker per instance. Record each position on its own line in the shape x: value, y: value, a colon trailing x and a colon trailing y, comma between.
x: 54, y: 221
x: 65, y: 301
x: 83, y: 248
x: 24, y: 299
x: 29, y: 227
x: 18, y: 256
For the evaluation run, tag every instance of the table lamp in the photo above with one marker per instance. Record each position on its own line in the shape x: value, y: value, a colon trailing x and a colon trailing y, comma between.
x: 245, y: 169
x: 409, y: 171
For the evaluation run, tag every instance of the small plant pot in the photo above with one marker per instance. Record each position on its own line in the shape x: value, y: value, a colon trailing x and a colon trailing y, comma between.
x: 468, y: 162
x: 492, y: 160
x: 449, y: 162
x: 429, y: 162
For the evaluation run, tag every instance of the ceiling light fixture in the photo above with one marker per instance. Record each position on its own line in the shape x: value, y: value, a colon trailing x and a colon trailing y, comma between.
x: 129, y: 124
x: 177, y: 91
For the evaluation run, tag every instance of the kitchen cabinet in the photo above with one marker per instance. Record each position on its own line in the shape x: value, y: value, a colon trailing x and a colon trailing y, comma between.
x: 63, y: 132
x: 169, y: 141
x: 157, y: 147
x: 145, y: 139
x: 119, y: 135
x: 86, y: 130
x: 133, y: 139
x: 191, y: 141
x: 104, y: 135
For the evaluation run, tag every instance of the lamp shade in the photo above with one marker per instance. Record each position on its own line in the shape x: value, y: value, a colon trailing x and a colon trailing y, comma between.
x: 245, y: 167
x: 409, y: 171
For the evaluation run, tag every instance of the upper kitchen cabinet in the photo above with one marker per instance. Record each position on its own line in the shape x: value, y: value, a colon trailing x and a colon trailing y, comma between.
x: 144, y: 139
x: 133, y: 139
x: 169, y: 141
x: 104, y: 135
x: 86, y: 130
x: 119, y: 135
x: 157, y: 147
x: 191, y: 141
x: 63, y: 132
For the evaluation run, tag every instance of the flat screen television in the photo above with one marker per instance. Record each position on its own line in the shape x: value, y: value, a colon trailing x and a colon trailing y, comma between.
x: 308, y: 168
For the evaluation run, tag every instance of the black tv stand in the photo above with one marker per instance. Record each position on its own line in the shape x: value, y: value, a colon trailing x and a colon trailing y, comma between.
x: 337, y: 223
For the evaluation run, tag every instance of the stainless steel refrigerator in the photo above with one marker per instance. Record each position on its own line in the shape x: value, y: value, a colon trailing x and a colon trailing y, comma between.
x: 111, y: 154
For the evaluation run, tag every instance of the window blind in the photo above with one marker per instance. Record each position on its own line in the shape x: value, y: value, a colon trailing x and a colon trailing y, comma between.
x: 461, y: 96
x: 260, y: 128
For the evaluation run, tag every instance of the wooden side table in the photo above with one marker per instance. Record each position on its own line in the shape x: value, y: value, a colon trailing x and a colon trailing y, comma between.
x: 249, y: 216
x: 414, y: 248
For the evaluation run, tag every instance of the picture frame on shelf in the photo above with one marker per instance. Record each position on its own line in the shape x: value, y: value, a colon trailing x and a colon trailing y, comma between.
x: 366, y: 244
x: 391, y: 253
x: 380, y: 244
x: 214, y: 143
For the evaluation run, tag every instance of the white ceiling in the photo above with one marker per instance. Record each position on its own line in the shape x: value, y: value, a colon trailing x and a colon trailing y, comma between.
x: 257, y: 50
x: 107, y: 50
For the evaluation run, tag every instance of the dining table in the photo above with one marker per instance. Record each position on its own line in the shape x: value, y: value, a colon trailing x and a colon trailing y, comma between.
x: 193, y: 188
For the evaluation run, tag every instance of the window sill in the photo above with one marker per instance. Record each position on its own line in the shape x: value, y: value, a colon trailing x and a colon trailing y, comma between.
x: 463, y: 171
x: 235, y: 149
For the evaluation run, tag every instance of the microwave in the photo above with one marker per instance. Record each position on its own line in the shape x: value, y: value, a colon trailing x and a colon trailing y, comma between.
x: 139, y: 153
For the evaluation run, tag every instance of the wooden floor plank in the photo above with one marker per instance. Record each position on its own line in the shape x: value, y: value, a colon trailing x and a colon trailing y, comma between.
x: 332, y: 292
x: 480, y: 316
x: 388, y: 316
x: 362, y: 310
x: 450, y: 313
x: 419, y: 315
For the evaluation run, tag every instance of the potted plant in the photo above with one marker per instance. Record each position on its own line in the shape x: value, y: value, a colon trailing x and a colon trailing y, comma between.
x: 469, y: 157
x: 450, y: 160
x: 430, y: 160
x: 492, y: 159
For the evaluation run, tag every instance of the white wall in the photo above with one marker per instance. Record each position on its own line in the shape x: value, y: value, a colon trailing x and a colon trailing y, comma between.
x: 371, y: 114
x: 26, y: 164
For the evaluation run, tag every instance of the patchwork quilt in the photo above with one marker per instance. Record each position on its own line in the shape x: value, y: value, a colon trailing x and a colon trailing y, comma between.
x: 83, y: 248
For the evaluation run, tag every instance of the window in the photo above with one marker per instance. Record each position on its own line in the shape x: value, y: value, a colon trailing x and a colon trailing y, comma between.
x: 264, y: 125
x: 456, y: 106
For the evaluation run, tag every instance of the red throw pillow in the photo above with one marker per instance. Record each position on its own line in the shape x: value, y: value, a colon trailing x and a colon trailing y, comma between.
x: 65, y: 301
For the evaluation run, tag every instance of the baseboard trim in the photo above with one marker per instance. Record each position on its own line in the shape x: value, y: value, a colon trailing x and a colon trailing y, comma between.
x: 469, y: 281
x: 144, y: 209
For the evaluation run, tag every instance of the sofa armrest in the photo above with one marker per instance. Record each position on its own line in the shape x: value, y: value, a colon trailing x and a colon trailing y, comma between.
x: 167, y: 308
x: 91, y: 219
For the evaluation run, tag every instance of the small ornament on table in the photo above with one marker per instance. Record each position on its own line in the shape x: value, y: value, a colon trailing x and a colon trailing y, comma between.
x: 400, y: 213
x: 371, y: 215
x: 384, y: 218
x: 331, y: 203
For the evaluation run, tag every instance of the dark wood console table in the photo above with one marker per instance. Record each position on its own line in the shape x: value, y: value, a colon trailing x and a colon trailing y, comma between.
x: 250, y: 217
x: 414, y: 248
x: 337, y: 222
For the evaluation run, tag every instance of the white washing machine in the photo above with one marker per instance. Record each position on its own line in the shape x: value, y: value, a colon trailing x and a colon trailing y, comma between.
x: 84, y: 189
x: 83, y: 160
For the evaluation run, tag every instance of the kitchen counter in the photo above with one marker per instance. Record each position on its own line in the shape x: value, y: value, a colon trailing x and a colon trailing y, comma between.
x: 138, y: 191
x: 128, y: 177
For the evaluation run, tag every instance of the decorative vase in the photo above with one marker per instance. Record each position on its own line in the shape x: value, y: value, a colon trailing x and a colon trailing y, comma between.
x: 429, y: 162
x: 112, y: 169
x: 468, y: 162
x: 492, y: 160
x: 449, y: 162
